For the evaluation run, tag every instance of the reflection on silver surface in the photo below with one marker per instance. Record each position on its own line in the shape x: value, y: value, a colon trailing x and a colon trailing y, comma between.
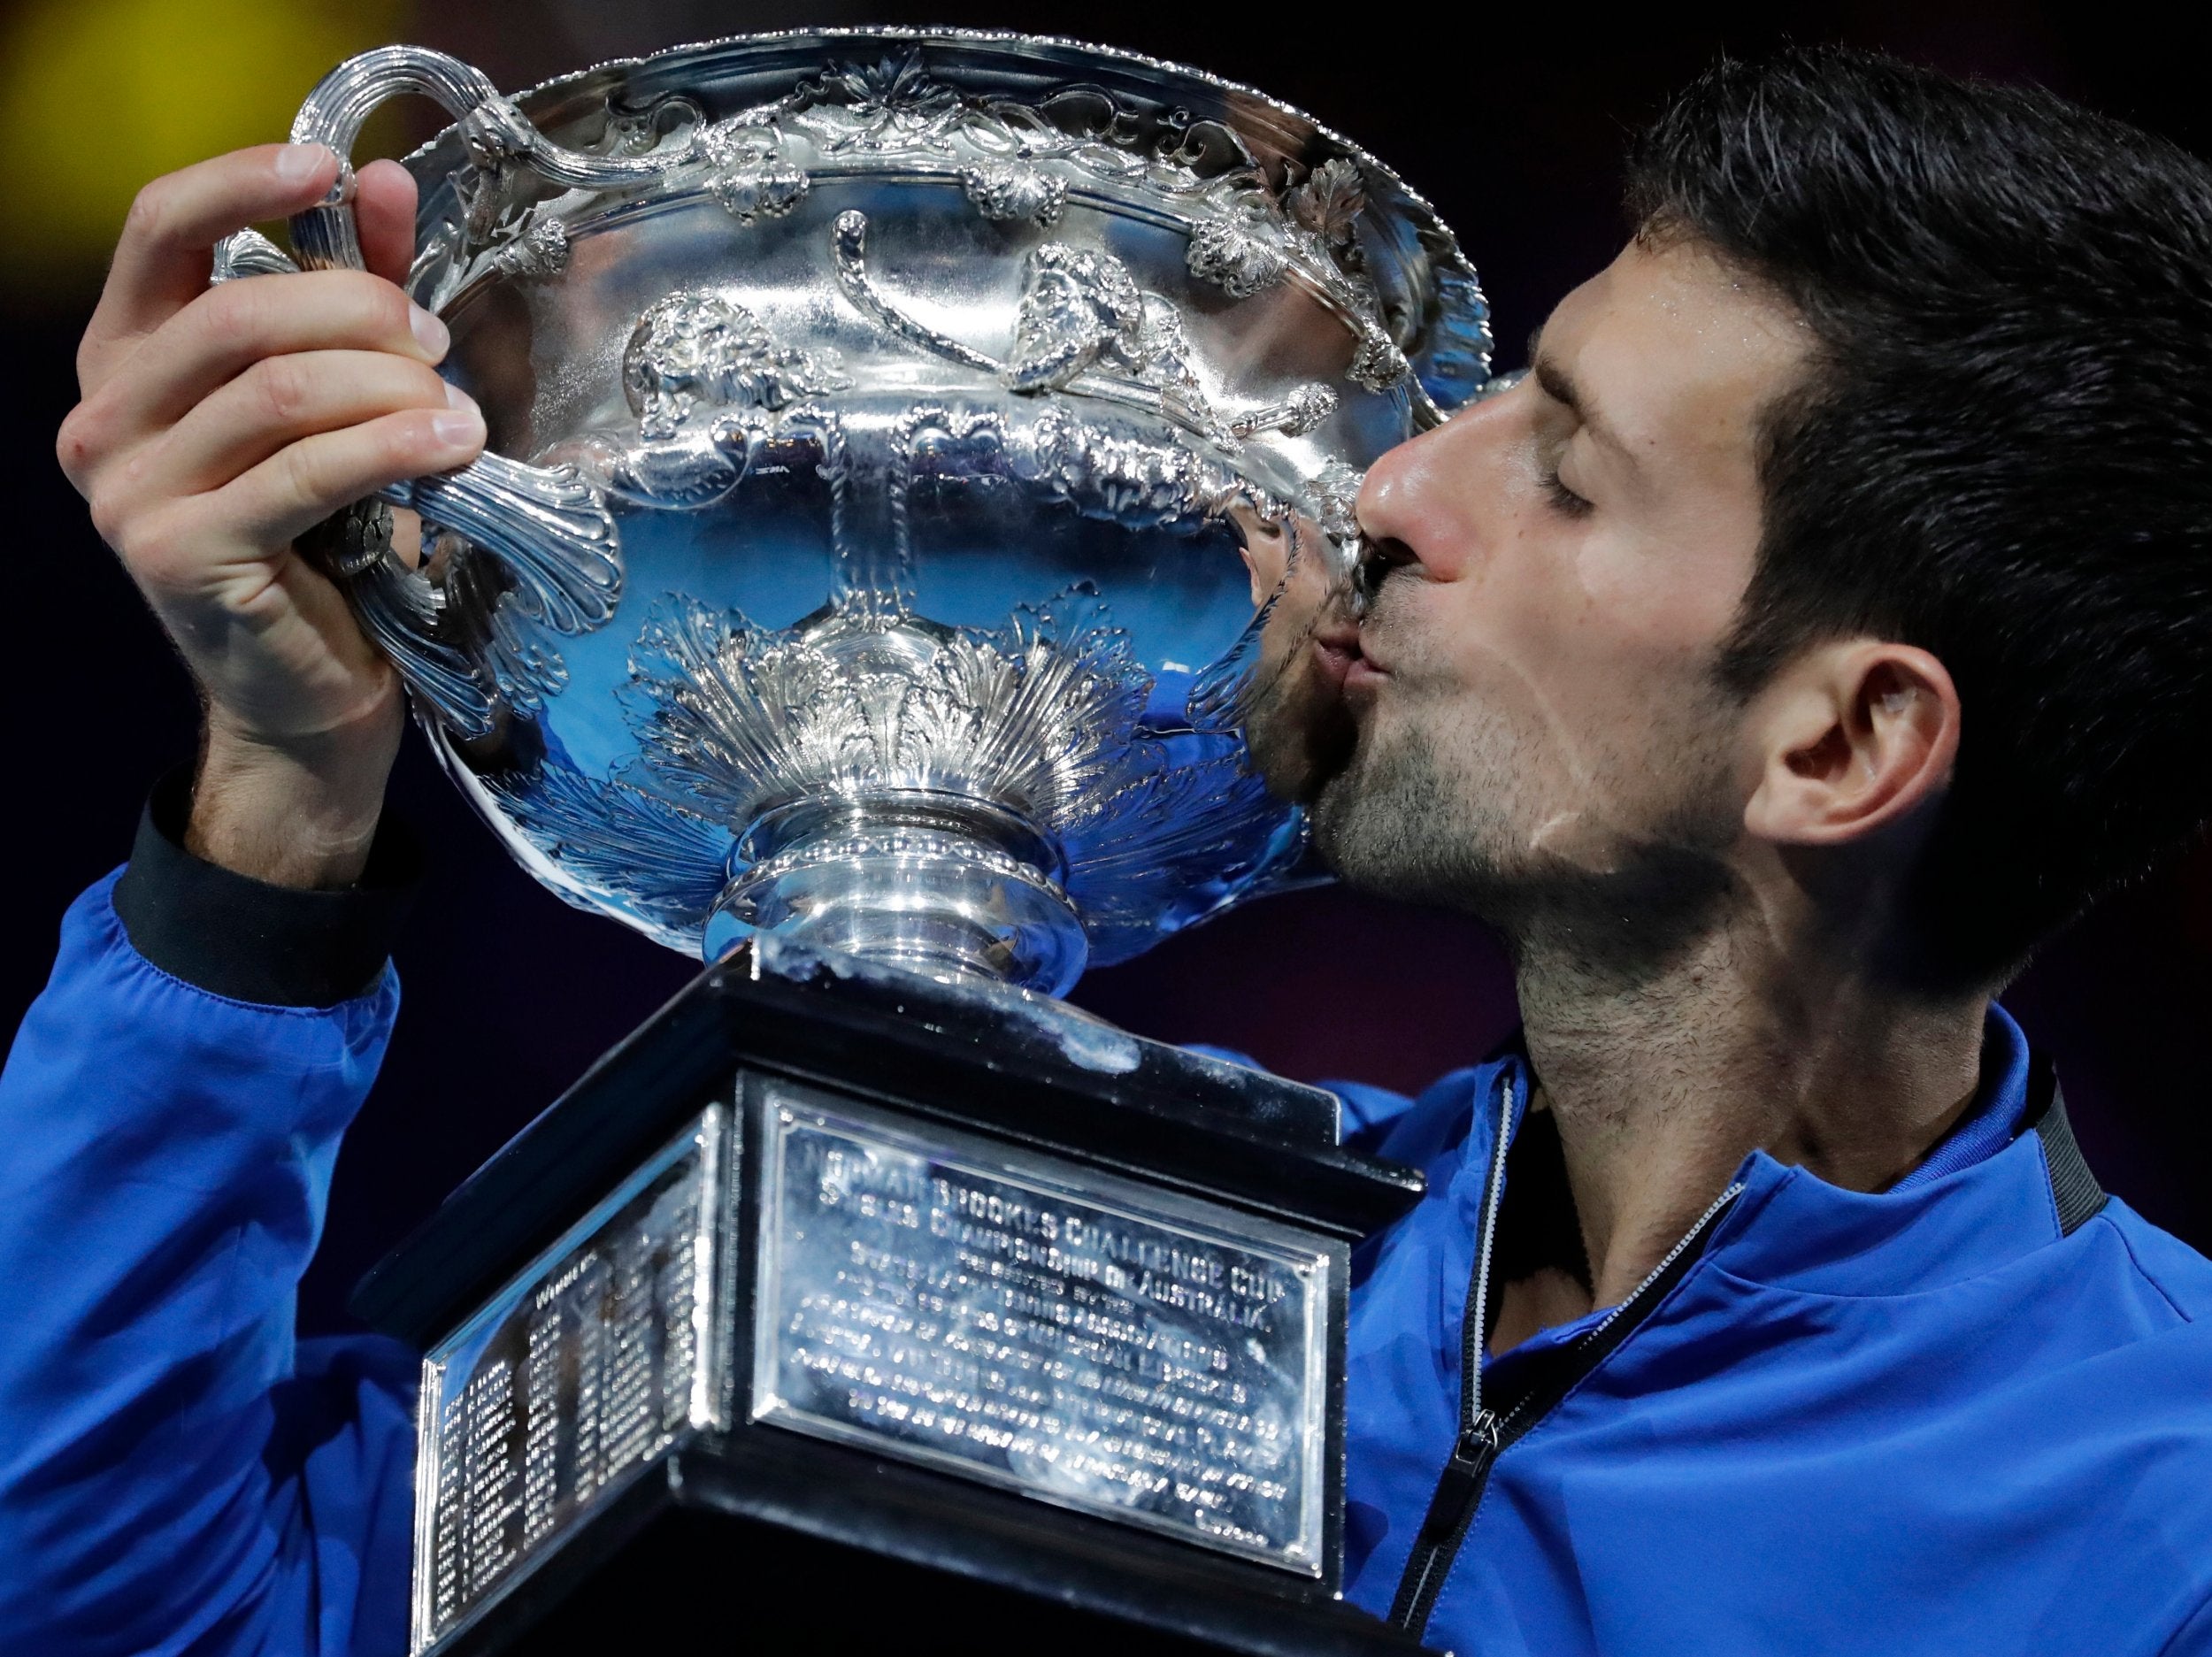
x: 876, y: 414
x: 582, y: 1370
x: 1018, y: 1320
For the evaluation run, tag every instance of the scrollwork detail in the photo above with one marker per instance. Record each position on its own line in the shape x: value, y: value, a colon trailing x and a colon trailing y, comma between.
x: 1021, y: 156
x: 1084, y: 328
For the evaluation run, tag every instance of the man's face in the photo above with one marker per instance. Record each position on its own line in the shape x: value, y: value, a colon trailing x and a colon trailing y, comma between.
x: 1533, y: 697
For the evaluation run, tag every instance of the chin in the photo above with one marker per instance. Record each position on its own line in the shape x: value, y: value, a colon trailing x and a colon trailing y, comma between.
x: 1393, y: 820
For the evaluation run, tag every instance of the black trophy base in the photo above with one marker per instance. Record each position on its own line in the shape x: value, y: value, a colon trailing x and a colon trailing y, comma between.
x: 775, y: 1552
x: 840, y: 1309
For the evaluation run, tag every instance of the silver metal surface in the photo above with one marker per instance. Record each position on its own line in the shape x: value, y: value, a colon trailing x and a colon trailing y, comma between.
x: 588, y: 1365
x: 1115, y: 1348
x: 878, y: 417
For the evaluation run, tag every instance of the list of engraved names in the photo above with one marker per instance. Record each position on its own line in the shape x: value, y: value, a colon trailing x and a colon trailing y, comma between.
x: 584, y: 1373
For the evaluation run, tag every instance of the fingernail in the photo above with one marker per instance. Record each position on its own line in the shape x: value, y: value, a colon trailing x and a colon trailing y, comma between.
x: 429, y: 332
x: 456, y: 398
x: 295, y: 164
x: 458, y: 426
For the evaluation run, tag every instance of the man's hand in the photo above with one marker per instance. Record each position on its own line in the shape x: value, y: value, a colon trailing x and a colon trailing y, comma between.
x: 215, y: 425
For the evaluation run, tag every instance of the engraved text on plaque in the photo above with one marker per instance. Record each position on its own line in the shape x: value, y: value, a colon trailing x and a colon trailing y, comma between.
x: 1042, y: 1326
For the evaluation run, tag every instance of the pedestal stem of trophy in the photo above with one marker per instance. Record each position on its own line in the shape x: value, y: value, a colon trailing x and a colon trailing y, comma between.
x: 934, y: 883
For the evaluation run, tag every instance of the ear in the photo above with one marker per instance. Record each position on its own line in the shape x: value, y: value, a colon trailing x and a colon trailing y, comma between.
x: 1266, y: 550
x: 1855, y: 736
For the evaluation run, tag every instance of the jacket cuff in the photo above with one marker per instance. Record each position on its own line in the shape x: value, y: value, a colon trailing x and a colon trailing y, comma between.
x: 245, y: 940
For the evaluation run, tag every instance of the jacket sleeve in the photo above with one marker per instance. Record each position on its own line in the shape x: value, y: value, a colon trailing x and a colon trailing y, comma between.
x: 176, y: 1473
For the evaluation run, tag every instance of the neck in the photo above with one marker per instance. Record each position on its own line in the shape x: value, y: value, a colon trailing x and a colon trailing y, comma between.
x: 1662, y: 1081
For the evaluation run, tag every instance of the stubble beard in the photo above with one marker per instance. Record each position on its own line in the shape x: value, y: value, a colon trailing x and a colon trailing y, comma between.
x: 1408, y: 817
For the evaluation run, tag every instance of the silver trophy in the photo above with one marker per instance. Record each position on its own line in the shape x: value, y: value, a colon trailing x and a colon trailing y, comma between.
x: 918, y: 462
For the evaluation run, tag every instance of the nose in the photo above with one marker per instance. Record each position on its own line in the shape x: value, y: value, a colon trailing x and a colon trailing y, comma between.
x: 1418, y: 505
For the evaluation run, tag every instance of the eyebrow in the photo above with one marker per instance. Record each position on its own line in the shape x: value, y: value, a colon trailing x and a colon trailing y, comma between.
x: 1559, y: 386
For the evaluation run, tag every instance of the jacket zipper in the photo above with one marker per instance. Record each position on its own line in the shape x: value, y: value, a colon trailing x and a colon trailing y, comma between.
x: 1459, y: 1487
x: 1483, y: 1433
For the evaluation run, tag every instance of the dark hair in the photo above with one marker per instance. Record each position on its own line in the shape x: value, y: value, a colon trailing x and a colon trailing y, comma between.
x: 2002, y: 453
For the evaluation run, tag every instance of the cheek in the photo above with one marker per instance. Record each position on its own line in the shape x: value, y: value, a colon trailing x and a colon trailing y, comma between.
x: 1637, y: 605
x: 1579, y: 651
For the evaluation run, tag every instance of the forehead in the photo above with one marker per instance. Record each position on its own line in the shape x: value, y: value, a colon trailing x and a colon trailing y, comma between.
x: 1675, y: 354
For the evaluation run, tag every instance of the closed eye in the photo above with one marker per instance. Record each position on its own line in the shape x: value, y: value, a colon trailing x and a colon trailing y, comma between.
x: 1563, y: 499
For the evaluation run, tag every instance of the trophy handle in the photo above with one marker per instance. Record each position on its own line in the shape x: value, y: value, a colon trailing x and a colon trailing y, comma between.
x: 548, y: 529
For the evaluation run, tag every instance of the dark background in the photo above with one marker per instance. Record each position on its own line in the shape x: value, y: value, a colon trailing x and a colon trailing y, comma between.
x: 1513, y: 129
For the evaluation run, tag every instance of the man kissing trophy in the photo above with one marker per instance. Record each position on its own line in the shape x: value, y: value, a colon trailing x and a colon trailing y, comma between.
x: 878, y: 510
x: 912, y: 462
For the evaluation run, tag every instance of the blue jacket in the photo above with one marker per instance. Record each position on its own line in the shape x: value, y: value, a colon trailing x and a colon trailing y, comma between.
x: 1972, y: 1413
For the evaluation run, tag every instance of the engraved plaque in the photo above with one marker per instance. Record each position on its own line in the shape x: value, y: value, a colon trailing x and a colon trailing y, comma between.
x: 587, y: 1365
x: 1130, y: 1352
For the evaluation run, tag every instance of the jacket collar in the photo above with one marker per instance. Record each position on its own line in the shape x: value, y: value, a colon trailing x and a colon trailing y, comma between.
x: 2007, y: 1179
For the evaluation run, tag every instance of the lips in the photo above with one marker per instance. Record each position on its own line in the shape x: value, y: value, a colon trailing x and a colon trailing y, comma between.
x: 1363, y: 674
x: 1362, y: 668
x: 1336, y: 651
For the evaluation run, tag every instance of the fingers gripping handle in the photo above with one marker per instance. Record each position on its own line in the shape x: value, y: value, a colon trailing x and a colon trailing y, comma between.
x: 549, y: 532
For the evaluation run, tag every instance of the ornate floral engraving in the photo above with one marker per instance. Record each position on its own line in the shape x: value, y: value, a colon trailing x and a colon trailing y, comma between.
x: 536, y: 252
x: 1239, y: 256
x: 1077, y: 306
x: 893, y: 104
x: 1036, y: 718
x: 1042, y: 717
x: 1107, y: 471
x: 1007, y: 190
x: 618, y: 839
x: 1329, y: 202
x: 749, y: 177
x: 1331, y: 497
x: 1083, y: 326
x: 1022, y: 156
x: 694, y: 349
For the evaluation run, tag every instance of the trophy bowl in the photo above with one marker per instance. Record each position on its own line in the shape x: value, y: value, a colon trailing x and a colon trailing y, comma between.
x: 916, y: 461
